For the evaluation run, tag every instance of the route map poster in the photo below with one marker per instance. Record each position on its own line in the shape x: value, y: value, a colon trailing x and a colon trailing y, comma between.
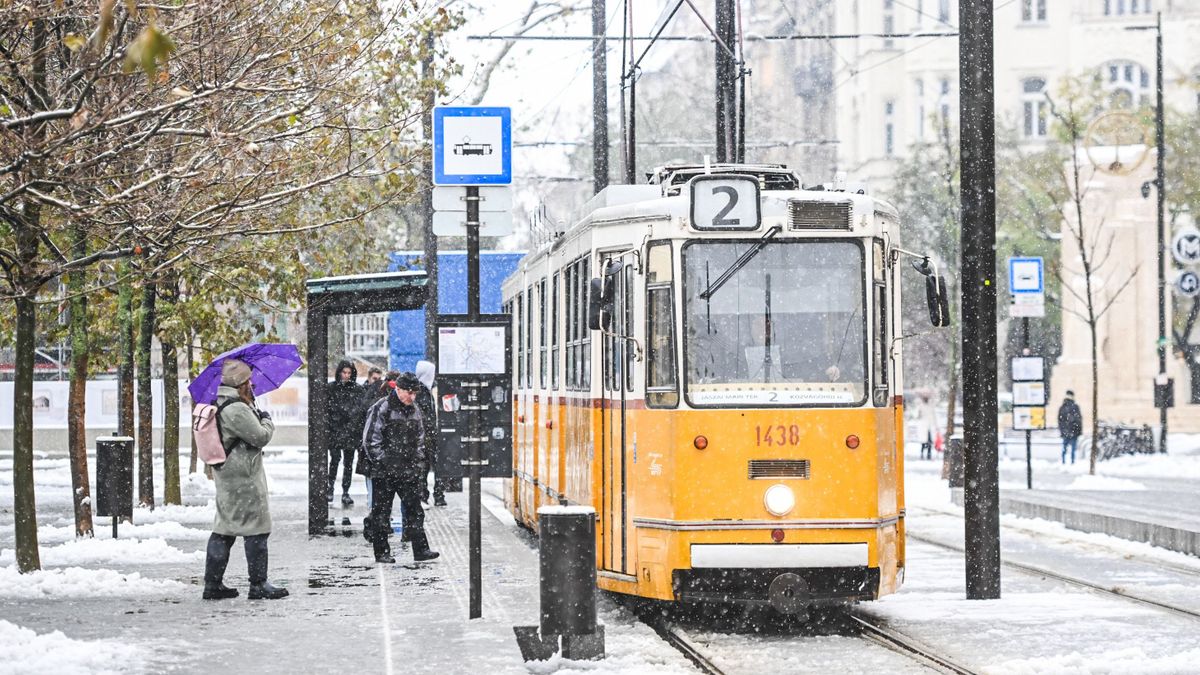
x: 471, y: 350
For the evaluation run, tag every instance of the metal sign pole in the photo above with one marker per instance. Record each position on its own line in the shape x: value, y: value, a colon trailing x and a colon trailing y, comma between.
x: 1028, y: 433
x: 473, y: 445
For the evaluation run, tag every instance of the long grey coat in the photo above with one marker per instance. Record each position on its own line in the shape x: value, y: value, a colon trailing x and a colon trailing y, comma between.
x: 242, y: 509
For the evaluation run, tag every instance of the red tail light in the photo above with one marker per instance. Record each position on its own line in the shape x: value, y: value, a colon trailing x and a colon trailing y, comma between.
x: 777, y: 536
x: 852, y: 441
x: 700, y: 442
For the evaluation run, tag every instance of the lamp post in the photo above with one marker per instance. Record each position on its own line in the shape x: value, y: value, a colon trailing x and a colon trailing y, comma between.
x: 1161, y: 380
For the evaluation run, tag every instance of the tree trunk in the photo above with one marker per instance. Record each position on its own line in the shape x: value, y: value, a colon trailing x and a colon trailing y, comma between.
x: 170, y: 378
x: 125, y: 347
x: 1095, y: 389
x: 145, y: 431
x: 191, y: 374
x: 24, y: 504
x: 77, y: 398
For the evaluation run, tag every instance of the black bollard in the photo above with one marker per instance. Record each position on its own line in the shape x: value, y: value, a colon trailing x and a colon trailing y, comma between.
x: 567, y: 561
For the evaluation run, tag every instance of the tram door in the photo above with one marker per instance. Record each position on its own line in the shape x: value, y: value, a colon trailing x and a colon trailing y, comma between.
x: 616, y: 371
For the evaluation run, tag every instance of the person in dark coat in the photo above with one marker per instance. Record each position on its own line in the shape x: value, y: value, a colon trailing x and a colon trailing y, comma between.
x: 1070, y: 425
x: 396, y: 450
x: 344, y: 409
x: 426, y: 373
x: 241, y: 487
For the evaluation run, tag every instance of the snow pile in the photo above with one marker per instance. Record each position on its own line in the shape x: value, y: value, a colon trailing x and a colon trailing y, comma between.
x: 179, y: 514
x: 1088, y: 482
x: 102, y: 528
x: 77, y: 582
x: 1131, y: 660
x: 24, y: 651
x: 198, y: 485
x: 109, y: 551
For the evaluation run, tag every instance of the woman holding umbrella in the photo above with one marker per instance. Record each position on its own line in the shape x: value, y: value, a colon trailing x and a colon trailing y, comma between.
x: 241, y: 482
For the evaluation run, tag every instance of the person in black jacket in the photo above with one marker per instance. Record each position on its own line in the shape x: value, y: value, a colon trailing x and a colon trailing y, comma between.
x: 1070, y: 425
x: 394, y: 443
x: 344, y: 409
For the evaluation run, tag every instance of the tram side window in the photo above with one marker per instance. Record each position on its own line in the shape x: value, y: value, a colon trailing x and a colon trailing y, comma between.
x: 586, y: 341
x: 881, y: 325
x: 662, y: 389
x: 554, y: 314
x: 628, y: 329
x: 572, y: 310
x: 542, y: 352
x: 528, y: 374
x: 520, y: 374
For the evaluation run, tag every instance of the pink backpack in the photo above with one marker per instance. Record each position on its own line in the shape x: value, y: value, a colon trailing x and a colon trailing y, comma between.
x: 206, y: 429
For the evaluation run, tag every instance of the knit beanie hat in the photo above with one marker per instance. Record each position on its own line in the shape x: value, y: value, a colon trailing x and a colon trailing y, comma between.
x: 409, y: 382
x: 234, y: 373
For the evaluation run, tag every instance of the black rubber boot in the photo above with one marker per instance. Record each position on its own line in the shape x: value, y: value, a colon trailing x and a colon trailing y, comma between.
x: 219, y: 592
x: 346, y: 500
x: 265, y: 591
x: 422, y: 556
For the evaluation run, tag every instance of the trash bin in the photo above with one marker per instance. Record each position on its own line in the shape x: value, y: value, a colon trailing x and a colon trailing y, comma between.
x: 954, y: 454
x: 114, y: 477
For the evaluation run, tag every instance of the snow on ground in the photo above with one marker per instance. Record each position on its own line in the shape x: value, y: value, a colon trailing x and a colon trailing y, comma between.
x: 110, y: 552
x: 1116, y: 662
x: 24, y: 651
x: 1088, y: 482
x: 73, y: 583
x: 162, y: 529
x: 631, y: 647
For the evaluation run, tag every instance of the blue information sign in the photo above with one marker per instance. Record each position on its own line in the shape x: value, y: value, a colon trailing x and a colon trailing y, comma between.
x: 472, y: 145
x: 1025, y: 276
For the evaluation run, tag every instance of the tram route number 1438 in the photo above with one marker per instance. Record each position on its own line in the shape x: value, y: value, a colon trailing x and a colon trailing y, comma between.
x: 777, y: 434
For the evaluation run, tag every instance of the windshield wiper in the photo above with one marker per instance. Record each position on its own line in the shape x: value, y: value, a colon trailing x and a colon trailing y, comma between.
x: 740, y: 262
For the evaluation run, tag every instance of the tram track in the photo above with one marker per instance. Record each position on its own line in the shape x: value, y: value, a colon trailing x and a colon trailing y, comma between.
x: 859, y: 624
x: 1032, y: 532
x: 902, y: 644
x: 1074, y: 581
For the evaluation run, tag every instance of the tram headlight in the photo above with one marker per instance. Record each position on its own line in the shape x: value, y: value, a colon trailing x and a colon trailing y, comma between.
x: 779, y: 500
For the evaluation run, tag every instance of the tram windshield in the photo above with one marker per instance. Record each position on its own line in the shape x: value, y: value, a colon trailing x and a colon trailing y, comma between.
x: 787, y: 328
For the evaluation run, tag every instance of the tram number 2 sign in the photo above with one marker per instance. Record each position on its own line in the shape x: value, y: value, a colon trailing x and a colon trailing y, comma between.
x: 725, y: 202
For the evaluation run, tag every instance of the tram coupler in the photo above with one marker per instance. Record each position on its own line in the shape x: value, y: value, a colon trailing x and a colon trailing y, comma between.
x: 789, y: 594
x: 567, y: 579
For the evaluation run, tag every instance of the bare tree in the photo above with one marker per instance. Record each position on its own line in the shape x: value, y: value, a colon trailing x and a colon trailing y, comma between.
x: 172, y: 132
x: 1090, y: 239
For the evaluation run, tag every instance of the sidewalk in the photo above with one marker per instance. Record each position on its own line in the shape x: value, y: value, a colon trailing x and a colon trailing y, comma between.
x: 1146, y: 498
x: 136, y: 607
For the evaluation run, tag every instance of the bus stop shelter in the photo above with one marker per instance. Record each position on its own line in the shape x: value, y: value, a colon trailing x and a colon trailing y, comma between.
x: 331, y: 296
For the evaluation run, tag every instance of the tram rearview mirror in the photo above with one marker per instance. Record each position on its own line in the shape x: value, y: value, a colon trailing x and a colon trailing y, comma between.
x: 939, y: 304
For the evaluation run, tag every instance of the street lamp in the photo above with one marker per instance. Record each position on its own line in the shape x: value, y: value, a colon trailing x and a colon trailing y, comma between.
x: 1162, y: 383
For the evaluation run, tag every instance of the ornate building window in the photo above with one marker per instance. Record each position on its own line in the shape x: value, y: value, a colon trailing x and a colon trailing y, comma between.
x: 1034, y: 108
x: 1126, y: 84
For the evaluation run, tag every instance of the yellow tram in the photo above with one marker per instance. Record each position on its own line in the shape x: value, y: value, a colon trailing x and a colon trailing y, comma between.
x: 712, y: 362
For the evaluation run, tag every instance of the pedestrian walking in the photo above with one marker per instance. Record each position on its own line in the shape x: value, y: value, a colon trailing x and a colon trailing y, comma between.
x: 345, y: 406
x: 396, y: 450
x: 241, y: 488
x: 373, y: 382
x: 426, y: 372
x: 926, y: 425
x: 1070, y: 425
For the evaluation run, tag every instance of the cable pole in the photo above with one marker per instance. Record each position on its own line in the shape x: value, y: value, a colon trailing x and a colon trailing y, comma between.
x: 429, y: 239
x: 977, y: 147
x: 726, y: 93
x: 599, y: 98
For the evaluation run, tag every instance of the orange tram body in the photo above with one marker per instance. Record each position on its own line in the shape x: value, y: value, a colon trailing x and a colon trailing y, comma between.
x: 710, y: 361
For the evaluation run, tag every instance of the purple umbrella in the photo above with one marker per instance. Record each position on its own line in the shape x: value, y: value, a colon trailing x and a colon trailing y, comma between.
x: 270, y: 365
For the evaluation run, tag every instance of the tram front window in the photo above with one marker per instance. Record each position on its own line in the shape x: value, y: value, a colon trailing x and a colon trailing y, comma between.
x: 785, y: 328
